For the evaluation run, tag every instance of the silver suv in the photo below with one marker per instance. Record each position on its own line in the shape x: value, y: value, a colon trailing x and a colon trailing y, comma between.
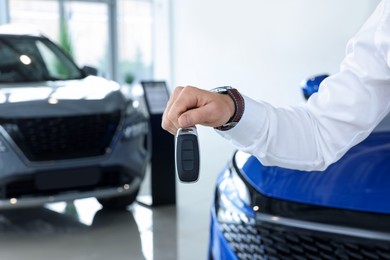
x: 64, y: 134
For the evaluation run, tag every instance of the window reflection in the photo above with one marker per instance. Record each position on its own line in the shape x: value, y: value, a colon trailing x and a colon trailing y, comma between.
x: 42, y: 14
x: 25, y: 59
x: 135, y: 39
x: 88, y: 32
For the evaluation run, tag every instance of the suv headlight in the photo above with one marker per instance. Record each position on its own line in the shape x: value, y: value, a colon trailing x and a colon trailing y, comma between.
x: 135, y: 123
x: 133, y: 130
x: 135, y: 93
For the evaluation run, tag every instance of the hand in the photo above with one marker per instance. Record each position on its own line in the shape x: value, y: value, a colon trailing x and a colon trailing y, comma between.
x: 189, y: 106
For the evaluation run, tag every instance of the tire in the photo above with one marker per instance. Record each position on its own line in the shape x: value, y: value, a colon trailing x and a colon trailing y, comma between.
x: 120, y: 202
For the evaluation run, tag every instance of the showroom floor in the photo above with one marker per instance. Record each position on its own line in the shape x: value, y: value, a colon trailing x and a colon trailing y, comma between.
x: 82, y: 230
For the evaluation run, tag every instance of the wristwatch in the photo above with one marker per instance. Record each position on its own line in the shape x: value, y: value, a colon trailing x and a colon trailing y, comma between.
x: 239, y: 106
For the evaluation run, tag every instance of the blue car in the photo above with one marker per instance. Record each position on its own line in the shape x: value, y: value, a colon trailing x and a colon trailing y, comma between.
x: 263, y: 212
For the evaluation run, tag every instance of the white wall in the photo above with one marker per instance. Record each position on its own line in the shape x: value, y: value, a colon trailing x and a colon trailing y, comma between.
x: 162, y: 69
x: 263, y: 48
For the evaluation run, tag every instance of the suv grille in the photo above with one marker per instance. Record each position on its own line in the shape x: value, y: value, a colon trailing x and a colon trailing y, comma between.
x: 57, y: 138
x: 268, y: 241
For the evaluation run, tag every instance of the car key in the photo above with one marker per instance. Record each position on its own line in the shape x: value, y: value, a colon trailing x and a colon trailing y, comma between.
x: 187, y: 154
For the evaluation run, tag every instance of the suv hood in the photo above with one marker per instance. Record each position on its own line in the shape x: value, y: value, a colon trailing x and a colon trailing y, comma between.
x: 60, y: 98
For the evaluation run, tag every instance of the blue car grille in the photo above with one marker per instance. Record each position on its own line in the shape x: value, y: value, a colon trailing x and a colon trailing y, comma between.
x: 68, y: 137
x: 268, y: 241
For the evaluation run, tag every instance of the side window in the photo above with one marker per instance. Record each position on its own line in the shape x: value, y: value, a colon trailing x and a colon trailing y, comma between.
x: 55, y: 67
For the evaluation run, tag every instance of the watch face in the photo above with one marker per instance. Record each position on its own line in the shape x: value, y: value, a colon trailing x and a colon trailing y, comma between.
x: 230, y: 124
x: 226, y: 126
x: 221, y: 89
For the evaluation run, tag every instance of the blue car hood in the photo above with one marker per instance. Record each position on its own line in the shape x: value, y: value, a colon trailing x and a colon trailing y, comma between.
x: 358, y: 181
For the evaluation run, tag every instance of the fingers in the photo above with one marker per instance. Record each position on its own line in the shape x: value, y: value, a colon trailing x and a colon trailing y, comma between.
x: 190, y: 106
x: 168, y: 124
x: 182, y: 99
x: 214, y: 112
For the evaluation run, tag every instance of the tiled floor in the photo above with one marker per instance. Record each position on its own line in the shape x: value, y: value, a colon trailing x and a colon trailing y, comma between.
x: 83, y: 230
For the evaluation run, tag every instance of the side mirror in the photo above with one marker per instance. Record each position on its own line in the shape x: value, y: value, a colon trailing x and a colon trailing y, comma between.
x: 310, y: 86
x: 88, y: 70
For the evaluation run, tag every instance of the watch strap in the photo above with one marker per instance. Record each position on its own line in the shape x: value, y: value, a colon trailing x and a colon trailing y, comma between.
x: 239, y: 105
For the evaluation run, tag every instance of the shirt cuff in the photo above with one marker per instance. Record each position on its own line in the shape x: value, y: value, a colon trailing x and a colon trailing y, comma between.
x: 250, y: 127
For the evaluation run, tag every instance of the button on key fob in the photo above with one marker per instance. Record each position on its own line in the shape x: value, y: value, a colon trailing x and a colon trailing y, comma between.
x: 187, y: 154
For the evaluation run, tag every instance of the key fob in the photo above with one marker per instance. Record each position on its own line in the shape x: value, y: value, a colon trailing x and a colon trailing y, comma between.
x: 187, y: 154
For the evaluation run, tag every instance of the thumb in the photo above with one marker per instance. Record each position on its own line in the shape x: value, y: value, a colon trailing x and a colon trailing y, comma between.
x: 204, y: 115
x: 185, y: 119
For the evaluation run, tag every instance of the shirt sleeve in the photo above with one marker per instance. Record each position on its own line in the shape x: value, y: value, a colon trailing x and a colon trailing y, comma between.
x: 344, y: 112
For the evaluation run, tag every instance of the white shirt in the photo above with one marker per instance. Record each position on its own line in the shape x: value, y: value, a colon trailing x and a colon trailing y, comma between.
x: 348, y: 106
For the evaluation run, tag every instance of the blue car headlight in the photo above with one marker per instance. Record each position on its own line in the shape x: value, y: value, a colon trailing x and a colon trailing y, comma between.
x: 233, y: 199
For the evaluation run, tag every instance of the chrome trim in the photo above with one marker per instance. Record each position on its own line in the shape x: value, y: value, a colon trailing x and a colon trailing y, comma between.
x: 22, y: 202
x: 326, y: 228
x: 11, y: 143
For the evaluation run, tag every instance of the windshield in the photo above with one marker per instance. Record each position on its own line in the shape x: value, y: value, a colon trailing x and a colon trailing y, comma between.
x: 34, y: 59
